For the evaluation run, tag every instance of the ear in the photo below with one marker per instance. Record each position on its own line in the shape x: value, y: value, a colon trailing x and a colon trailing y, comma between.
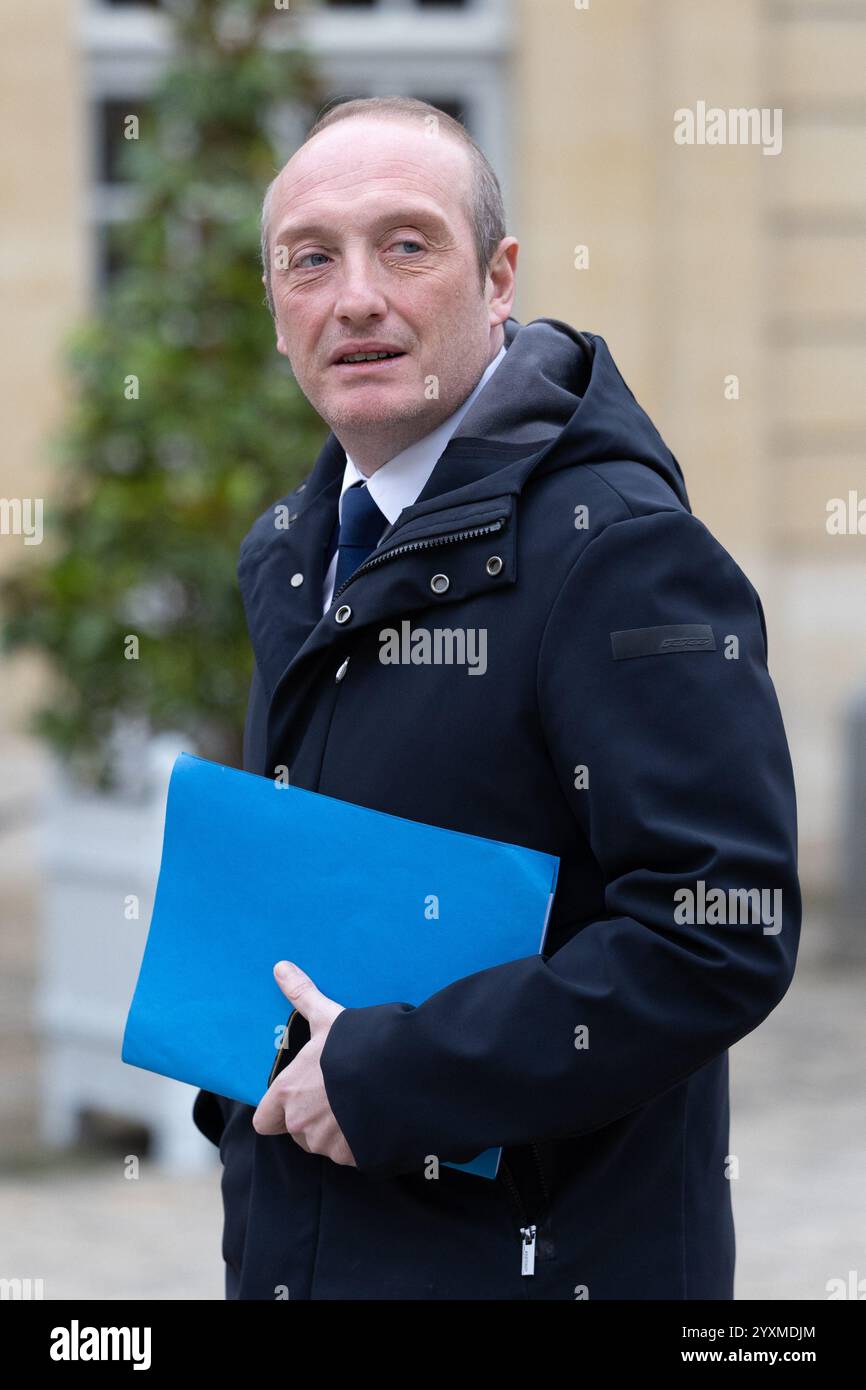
x: 502, y: 274
x: 281, y: 342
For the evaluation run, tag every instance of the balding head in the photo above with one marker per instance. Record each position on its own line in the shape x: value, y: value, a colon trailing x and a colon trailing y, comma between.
x: 484, y: 208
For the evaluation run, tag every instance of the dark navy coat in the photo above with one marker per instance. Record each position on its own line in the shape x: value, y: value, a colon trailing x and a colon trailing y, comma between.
x: 625, y: 722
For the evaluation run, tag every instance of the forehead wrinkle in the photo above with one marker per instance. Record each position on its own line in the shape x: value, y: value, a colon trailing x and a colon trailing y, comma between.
x: 371, y: 209
x: 407, y: 171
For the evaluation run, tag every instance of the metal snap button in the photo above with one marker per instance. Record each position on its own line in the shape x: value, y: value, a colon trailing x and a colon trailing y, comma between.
x: 295, y: 580
x: 343, y: 613
x: 494, y: 564
x: 341, y: 670
x: 439, y: 583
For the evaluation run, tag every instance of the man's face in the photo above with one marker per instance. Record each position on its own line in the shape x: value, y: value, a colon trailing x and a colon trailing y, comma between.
x: 379, y: 253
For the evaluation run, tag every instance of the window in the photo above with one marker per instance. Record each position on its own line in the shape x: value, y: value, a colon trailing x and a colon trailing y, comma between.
x: 111, y: 122
x: 453, y: 53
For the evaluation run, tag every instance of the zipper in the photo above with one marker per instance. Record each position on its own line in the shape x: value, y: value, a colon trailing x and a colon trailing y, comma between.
x: 528, y: 1229
x: 452, y: 537
x: 542, y: 1183
x: 527, y: 1260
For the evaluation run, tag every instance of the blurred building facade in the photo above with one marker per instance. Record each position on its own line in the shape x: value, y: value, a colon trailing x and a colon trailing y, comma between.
x: 701, y: 264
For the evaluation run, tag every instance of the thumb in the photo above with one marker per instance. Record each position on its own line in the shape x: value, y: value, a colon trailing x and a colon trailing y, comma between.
x: 300, y: 991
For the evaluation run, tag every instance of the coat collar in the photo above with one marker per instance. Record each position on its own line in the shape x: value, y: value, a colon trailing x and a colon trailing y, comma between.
x: 282, y: 562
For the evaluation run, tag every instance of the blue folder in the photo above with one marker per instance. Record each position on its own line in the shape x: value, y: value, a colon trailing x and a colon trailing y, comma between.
x: 375, y: 908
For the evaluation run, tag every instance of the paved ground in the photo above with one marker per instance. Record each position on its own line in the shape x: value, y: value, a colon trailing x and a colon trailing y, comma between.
x: 798, y: 1127
x: 93, y: 1234
x: 798, y: 1131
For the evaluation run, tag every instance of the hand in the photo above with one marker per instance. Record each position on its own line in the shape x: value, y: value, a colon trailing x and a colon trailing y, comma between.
x: 296, y: 1102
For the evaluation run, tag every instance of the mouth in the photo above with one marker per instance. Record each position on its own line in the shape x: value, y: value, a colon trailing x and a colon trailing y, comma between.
x: 362, y: 362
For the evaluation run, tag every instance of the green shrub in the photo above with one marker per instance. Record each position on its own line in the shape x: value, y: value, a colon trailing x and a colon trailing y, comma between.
x: 185, y: 423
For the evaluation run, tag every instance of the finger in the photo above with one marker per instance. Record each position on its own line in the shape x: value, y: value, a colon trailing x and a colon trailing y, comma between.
x: 299, y: 989
x: 270, y: 1116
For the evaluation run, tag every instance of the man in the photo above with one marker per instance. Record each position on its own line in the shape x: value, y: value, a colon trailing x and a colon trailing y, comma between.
x: 487, y: 477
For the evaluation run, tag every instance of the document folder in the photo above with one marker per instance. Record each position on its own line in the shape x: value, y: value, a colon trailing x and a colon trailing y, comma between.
x: 375, y: 908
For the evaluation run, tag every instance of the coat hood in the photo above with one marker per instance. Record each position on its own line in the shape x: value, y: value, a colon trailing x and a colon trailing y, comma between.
x: 555, y: 402
x: 559, y: 390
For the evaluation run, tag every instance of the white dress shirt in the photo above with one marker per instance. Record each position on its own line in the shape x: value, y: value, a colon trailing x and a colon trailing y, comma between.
x: 399, y: 482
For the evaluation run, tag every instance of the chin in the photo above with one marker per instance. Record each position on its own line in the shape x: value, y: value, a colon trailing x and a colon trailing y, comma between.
x: 383, y: 406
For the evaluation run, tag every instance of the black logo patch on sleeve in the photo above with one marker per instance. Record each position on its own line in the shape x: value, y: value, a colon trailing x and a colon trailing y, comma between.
x: 658, y: 641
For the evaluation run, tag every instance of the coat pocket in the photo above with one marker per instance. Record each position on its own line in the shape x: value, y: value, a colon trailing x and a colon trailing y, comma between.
x: 207, y: 1116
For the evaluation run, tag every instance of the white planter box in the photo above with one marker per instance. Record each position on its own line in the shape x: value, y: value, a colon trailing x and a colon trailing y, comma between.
x: 97, y: 852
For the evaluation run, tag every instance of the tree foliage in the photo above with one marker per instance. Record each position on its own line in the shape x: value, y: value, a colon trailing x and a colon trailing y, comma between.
x: 184, y: 423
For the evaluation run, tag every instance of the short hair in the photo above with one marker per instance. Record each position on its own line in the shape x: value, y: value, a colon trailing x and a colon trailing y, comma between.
x: 486, y: 209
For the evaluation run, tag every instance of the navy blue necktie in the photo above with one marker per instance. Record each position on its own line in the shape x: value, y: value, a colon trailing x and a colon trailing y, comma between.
x: 360, y: 528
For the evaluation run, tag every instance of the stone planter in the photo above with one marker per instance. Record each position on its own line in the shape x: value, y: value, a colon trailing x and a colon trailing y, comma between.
x: 99, y: 862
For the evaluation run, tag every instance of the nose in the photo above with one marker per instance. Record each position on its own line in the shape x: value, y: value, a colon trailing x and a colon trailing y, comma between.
x: 359, y: 295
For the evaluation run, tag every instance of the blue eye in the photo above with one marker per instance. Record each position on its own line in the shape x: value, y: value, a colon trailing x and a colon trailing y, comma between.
x: 301, y: 259
x: 406, y: 241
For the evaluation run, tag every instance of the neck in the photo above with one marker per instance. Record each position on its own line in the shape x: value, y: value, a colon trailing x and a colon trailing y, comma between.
x: 370, y: 454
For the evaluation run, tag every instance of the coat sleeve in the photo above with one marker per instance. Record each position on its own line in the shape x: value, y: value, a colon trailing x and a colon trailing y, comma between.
x: 688, y: 782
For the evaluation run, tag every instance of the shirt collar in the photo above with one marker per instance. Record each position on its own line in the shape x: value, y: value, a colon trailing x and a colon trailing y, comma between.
x: 397, y: 483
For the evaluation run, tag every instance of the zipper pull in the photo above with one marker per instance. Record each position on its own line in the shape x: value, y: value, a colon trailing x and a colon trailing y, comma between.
x: 527, y: 1263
